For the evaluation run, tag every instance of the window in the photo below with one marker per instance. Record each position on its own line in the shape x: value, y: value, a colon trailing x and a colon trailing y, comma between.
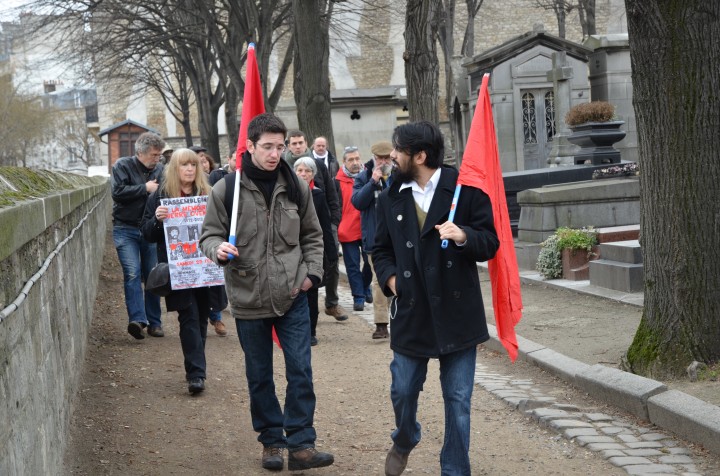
x: 550, y: 115
x: 529, y: 120
x: 127, y: 143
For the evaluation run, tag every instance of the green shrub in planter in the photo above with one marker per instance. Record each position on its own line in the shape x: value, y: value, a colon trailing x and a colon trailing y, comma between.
x: 549, y: 262
x: 576, y: 239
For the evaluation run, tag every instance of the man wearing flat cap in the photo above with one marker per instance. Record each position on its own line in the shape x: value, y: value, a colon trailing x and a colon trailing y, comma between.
x: 376, y: 177
x: 167, y: 153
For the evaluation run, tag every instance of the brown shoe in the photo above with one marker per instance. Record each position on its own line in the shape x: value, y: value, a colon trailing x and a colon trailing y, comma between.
x: 155, y: 331
x: 272, y: 458
x: 219, y: 327
x: 337, y: 312
x: 309, y: 458
x: 381, y: 332
x: 395, y: 462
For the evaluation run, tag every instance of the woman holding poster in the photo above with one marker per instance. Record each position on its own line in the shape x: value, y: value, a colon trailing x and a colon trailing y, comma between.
x: 183, y: 177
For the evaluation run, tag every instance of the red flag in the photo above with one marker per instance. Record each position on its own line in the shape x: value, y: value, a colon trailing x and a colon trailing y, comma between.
x: 481, y: 169
x: 253, y: 103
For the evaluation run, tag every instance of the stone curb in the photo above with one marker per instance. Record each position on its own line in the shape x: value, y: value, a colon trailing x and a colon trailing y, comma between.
x: 689, y: 417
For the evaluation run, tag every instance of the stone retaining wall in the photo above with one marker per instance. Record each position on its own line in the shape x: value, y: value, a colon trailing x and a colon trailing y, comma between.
x: 50, y: 255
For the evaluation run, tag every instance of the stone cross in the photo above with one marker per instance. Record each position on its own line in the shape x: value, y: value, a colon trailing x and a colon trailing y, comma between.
x: 562, y: 151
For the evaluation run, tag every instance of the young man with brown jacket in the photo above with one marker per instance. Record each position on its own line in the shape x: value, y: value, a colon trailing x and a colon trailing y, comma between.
x: 278, y: 256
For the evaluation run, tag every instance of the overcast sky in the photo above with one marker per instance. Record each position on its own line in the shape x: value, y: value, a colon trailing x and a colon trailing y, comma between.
x: 8, y: 8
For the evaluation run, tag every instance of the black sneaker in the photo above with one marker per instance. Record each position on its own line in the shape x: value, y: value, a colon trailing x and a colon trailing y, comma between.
x: 135, y: 329
x: 272, y: 458
x: 196, y: 385
x: 309, y: 458
x: 313, y: 340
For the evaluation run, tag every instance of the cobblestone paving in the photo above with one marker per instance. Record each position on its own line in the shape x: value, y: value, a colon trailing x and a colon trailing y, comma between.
x: 637, y: 450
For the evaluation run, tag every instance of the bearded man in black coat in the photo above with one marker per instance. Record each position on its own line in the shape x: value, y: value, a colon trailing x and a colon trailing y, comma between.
x: 437, y: 308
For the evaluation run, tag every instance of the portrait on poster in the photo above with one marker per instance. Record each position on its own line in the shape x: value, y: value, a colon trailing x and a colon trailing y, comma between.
x: 189, y: 268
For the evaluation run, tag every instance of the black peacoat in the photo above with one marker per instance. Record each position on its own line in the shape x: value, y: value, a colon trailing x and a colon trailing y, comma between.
x: 438, y: 308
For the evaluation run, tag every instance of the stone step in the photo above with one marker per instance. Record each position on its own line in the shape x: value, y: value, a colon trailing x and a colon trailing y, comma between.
x: 627, y: 277
x: 618, y: 233
x: 623, y: 251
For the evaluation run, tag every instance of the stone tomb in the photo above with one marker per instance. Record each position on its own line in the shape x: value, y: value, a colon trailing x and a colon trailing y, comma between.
x: 597, y: 203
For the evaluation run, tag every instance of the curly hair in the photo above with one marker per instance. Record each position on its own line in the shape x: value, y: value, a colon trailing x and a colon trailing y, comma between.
x: 147, y: 141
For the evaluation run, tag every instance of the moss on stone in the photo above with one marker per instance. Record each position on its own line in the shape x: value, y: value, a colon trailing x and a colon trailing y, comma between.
x: 18, y: 184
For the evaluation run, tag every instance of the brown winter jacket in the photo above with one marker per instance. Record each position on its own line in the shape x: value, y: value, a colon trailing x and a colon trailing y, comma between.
x: 279, y: 247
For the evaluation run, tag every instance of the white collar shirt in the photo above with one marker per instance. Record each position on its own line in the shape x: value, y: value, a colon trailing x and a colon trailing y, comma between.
x: 423, y: 197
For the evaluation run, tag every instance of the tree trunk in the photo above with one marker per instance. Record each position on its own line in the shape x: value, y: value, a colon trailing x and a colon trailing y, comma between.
x: 560, y: 15
x: 675, y: 61
x: 446, y: 36
x: 232, y: 99
x: 312, y: 74
x: 587, y: 17
x: 421, y: 61
x: 468, y: 44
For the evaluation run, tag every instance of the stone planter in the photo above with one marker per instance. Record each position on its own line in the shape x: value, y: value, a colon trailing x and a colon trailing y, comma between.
x: 576, y: 263
x: 596, y: 140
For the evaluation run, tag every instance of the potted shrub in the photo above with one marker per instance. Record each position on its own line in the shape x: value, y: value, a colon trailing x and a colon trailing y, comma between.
x: 595, y: 129
x: 567, y: 253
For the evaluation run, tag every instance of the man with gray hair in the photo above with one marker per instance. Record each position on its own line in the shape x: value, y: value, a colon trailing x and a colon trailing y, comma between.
x: 133, y: 179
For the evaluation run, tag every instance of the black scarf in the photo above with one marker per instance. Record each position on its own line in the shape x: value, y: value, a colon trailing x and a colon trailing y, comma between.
x: 266, y: 179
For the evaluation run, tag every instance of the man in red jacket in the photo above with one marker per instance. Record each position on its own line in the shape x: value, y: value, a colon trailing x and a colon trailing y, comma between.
x: 350, y: 231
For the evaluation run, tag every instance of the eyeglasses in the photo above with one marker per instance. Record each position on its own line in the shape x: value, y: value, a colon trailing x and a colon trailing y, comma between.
x: 268, y: 147
x: 351, y: 148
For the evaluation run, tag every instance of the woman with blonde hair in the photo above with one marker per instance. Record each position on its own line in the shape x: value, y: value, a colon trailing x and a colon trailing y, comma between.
x: 183, y: 177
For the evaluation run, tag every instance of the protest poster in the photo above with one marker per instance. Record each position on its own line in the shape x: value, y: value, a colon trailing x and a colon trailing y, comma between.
x: 189, y: 268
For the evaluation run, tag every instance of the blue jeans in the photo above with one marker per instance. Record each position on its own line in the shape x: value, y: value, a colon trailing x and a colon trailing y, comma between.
x: 293, y: 427
x: 137, y: 257
x: 215, y: 316
x: 457, y: 371
x: 359, y: 281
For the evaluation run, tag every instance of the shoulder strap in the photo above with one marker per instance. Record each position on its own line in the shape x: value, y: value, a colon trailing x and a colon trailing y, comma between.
x: 229, y: 192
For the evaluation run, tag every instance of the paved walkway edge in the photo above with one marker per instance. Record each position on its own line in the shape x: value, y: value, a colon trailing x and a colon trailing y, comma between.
x: 688, y: 417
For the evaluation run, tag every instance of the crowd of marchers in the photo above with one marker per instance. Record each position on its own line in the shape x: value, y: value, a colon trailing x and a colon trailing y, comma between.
x: 297, y: 210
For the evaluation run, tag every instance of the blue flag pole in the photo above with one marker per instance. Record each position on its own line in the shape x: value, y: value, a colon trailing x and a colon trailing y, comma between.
x: 451, y: 217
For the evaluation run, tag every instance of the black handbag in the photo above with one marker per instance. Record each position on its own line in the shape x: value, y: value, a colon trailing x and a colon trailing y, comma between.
x: 158, y: 281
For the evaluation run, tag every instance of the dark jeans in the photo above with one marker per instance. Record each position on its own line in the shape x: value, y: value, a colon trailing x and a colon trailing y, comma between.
x: 359, y: 280
x: 312, y: 296
x: 293, y: 426
x: 332, y: 278
x: 193, y: 332
x: 137, y: 257
x: 457, y: 372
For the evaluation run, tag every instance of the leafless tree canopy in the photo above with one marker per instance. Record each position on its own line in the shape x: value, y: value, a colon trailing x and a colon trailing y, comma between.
x: 192, y: 52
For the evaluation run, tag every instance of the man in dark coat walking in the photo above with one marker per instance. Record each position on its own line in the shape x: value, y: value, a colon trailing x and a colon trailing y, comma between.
x: 437, y: 306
